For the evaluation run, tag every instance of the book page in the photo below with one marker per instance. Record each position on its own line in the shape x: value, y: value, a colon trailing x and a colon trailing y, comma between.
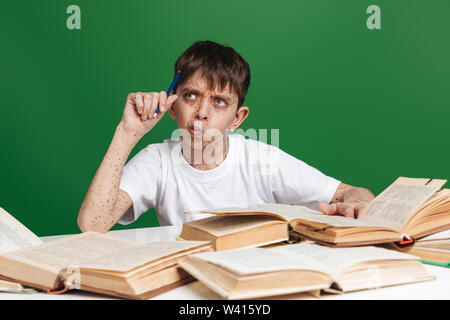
x: 71, y: 250
x: 395, y: 205
x: 440, y: 198
x: 292, y: 212
x: 336, y: 260
x: 441, y: 245
x: 223, y: 225
x: 14, y: 235
x: 143, y: 254
x: 14, y: 287
x: 301, y: 256
x: 443, y: 235
x: 252, y: 261
x: 9, y: 285
x: 233, y: 211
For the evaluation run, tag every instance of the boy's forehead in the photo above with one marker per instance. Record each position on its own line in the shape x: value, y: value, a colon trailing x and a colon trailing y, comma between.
x: 197, y: 81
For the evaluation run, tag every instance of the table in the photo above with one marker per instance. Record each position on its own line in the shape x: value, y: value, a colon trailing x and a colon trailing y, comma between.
x: 438, y: 289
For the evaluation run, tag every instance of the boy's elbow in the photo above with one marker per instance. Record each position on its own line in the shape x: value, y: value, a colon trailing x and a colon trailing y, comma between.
x: 85, y: 225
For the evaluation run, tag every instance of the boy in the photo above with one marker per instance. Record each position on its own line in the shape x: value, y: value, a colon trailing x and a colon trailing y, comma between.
x: 206, y: 167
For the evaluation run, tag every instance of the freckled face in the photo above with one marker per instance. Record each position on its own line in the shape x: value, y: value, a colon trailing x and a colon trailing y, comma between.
x: 200, y: 110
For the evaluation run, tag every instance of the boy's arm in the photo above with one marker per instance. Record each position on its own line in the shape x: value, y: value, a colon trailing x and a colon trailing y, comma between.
x: 104, y: 204
x: 347, y: 201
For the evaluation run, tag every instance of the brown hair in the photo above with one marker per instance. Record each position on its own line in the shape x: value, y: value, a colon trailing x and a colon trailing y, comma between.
x: 220, y: 65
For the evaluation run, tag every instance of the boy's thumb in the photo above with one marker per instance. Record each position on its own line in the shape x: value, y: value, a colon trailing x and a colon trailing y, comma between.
x: 171, y: 99
x: 325, y: 208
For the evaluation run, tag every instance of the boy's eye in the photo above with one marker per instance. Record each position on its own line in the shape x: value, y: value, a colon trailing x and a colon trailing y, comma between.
x: 190, y: 96
x: 221, y: 102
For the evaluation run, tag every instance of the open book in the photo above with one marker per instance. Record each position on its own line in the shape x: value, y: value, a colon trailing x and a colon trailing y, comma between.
x: 410, y: 208
x: 249, y: 273
x: 14, y: 235
x: 236, y: 231
x: 93, y: 262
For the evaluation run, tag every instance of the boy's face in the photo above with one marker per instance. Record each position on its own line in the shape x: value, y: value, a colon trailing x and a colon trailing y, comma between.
x: 205, y: 113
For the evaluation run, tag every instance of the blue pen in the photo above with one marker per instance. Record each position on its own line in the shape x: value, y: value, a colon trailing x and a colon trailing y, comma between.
x: 168, y: 91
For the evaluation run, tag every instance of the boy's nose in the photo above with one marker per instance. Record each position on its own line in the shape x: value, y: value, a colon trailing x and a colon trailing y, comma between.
x: 203, y: 110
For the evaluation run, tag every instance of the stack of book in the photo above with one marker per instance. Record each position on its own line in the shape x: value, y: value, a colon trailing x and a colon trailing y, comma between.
x: 260, y: 251
x: 91, y: 261
x: 407, y: 210
x: 340, y: 254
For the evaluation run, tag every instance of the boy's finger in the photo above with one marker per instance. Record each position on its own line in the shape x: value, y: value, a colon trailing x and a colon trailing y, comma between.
x: 327, y: 208
x: 147, y: 106
x: 160, y: 113
x: 155, y: 102
x: 170, y: 100
x: 346, y: 210
x: 138, y: 103
x: 358, y: 210
x: 162, y: 100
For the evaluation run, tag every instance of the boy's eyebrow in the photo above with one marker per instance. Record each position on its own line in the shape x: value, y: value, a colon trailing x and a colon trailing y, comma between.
x: 189, y: 89
x: 228, y: 99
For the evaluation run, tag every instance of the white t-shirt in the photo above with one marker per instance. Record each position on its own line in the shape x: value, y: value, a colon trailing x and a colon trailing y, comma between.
x: 252, y: 173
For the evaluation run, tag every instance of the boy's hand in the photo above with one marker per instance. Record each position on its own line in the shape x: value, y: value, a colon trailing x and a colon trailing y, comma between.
x: 139, y: 109
x: 349, y: 209
x: 348, y: 201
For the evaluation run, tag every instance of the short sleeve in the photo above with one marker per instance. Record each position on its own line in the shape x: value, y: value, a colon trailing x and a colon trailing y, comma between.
x: 295, y: 182
x: 141, y: 180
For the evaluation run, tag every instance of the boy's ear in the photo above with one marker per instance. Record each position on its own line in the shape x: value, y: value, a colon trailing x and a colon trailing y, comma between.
x: 173, y: 106
x: 240, y: 116
x: 171, y: 111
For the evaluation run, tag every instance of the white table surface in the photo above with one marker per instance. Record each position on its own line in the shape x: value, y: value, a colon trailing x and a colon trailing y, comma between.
x: 438, y: 289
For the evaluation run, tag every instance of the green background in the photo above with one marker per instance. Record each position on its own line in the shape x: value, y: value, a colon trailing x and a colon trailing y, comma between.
x: 364, y: 106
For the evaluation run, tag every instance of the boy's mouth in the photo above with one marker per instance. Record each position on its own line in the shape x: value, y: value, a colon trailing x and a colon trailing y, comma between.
x: 196, y: 131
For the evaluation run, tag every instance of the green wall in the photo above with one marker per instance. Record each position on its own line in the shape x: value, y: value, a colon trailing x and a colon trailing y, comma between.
x: 364, y: 106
